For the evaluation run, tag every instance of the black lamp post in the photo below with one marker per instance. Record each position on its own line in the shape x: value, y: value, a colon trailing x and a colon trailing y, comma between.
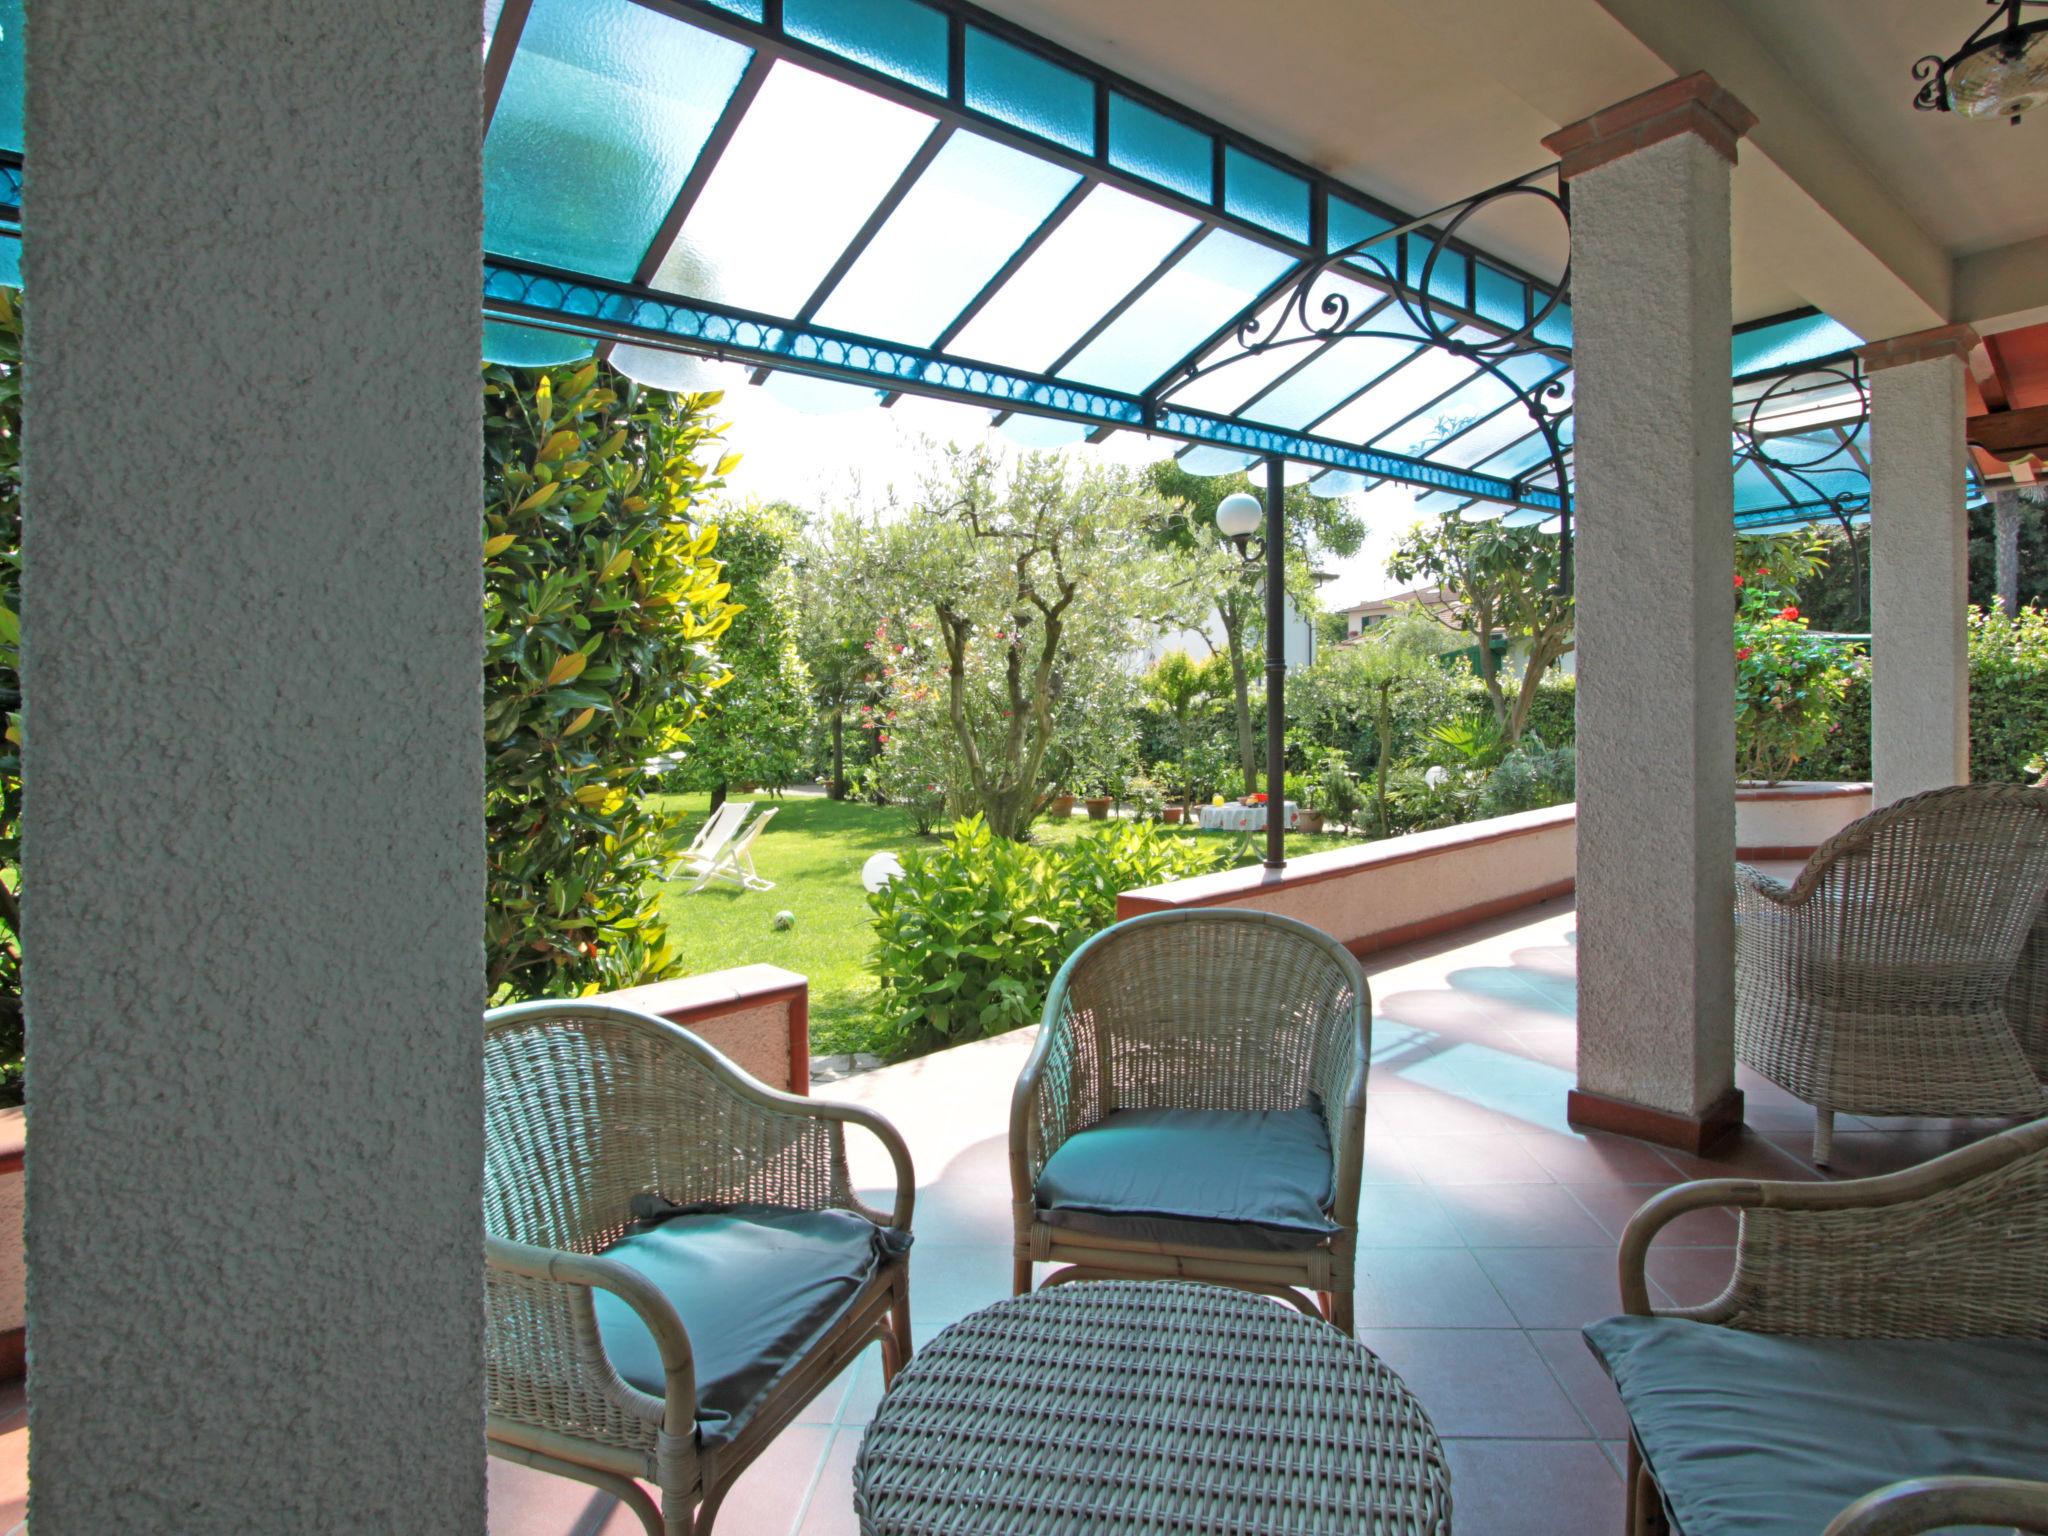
x: 1236, y: 517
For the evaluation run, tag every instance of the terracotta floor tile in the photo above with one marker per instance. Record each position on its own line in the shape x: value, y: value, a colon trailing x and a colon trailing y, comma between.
x: 1690, y: 1277
x: 1533, y: 1488
x: 1404, y: 1216
x: 830, y: 1511
x: 1745, y: 1155
x: 1554, y: 1287
x: 1613, y: 1204
x: 1582, y: 1379
x: 1478, y: 1381
x: 1431, y: 1112
x: 14, y: 1467
x: 524, y: 1502
x: 947, y: 1283
x: 1427, y: 1288
x: 1521, y: 1216
x: 1588, y: 1157
x: 1473, y: 1160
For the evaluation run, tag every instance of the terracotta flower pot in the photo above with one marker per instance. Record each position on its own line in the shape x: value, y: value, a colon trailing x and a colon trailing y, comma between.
x: 1098, y: 807
x: 1308, y: 821
x: 1171, y: 815
x: 1062, y: 807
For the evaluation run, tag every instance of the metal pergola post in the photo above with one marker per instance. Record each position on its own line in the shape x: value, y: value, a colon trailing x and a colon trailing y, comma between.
x: 1276, y: 663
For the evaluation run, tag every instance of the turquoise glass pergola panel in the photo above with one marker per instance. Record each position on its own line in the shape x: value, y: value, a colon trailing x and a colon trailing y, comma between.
x: 805, y: 169
x: 1164, y: 151
x: 605, y: 110
x: 1201, y: 291
x: 1106, y: 247
x: 11, y: 19
x: 900, y: 38
x: 1265, y: 194
x: 528, y: 346
x: 1340, y: 371
x: 753, y: 10
x: 1498, y: 297
x: 968, y: 213
x: 1028, y: 91
x: 1349, y: 224
x: 1783, y: 343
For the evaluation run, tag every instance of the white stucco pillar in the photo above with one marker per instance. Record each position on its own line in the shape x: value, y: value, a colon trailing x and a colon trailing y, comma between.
x: 254, y: 864
x: 1649, y: 183
x: 1919, y: 562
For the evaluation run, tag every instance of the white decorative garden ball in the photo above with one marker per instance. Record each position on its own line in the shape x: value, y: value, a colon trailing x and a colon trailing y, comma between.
x: 785, y: 919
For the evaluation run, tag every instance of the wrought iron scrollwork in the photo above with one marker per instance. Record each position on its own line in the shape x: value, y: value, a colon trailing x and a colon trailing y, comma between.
x: 1767, y: 450
x: 1316, y: 312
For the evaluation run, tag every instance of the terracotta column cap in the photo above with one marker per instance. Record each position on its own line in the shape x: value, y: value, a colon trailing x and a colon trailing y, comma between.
x: 1694, y: 104
x: 1919, y: 347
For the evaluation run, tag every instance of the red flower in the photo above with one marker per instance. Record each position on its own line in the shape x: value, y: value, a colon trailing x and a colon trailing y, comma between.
x: 882, y: 737
x: 1742, y: 654
x: 1738, y: 581
x: 1788, y: 612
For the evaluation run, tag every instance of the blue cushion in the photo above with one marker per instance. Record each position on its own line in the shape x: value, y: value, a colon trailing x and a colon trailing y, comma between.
x: 753, y: 1285
x: 1195, y: 1177
x: 1764, y: 1435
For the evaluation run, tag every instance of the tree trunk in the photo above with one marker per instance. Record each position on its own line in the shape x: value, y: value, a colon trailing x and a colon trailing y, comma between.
x: 838, y: 753
x: 2006, y: 510
x: 717, y: 796
x: 1386, y: 732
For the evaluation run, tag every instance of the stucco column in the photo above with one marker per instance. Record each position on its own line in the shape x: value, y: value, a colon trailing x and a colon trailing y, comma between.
x: 1649, y: 183
x: 1919, y: 562
x: 254, y: 864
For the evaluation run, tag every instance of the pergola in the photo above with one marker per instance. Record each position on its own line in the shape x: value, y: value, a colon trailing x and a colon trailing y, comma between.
x: 1326, y: 236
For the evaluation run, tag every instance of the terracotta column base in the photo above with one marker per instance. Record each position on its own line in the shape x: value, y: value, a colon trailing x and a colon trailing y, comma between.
x: 1695, y: 1134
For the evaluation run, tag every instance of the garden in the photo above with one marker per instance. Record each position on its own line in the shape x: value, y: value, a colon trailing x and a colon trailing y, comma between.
x: 967, y: 677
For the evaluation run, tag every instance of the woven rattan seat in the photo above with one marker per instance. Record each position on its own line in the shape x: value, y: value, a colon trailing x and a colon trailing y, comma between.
x: 1211, y: 1009
x: 1882, y: 980
x: 1141, y: 1408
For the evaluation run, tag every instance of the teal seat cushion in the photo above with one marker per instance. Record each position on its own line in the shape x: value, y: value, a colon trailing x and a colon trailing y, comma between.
x: 1765, y: 1435
x: 754, y: 1285
x: 1195, y: 1177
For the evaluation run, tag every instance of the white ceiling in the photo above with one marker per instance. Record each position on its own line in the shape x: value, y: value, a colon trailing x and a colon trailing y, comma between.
x: 1847, y: 198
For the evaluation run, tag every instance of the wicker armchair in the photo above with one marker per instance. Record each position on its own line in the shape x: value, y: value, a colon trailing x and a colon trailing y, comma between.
x: 1954, y: 1249
x: 1203, y: 1010
x: 1927, y: 1505
x: 1876, y: 982
x: 592, y: 1112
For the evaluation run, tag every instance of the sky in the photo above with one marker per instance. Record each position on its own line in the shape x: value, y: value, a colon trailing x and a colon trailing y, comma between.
x: 835, y: 444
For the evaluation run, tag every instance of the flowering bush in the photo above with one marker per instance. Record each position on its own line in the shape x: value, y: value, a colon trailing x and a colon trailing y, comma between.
x: 1788, y: 683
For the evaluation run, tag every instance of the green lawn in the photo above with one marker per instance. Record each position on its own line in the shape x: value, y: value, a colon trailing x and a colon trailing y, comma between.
x: 813, y: 851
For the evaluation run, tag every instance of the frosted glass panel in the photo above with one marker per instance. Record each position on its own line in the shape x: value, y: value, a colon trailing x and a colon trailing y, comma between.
x: 1029, y: 92
x: 1103, y: 250
x: 969, y: 212
x: 1204, y: 460
x: 1205, y: 288
x: 605, y: 110
x: 10, y: 74
x: 900, y: 38
x: 1786, y: 342
x: 679, y: 371
x: 1265, y: 194
x: 1404, y: 391
x: 819, y: 397
x: 1159, y: 148
x: 794, y: 186
x: 1043, y: 431
x: 528, y: 346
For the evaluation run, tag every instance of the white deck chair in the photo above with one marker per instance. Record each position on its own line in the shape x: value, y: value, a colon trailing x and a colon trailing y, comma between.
x: 736, y: 862
x: 717, y: 831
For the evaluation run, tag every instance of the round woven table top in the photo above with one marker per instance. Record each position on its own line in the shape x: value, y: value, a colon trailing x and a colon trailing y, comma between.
x: 1136, y: 1407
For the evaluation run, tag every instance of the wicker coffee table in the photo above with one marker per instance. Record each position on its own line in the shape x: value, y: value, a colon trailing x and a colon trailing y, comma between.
x: 1137, y: 1407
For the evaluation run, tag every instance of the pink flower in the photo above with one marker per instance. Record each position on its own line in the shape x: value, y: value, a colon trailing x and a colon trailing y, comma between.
x: 1738, y: 581
x: 1788, y: 612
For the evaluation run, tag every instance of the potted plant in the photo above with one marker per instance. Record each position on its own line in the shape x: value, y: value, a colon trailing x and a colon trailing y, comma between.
x: 1060, y: 807
x: 1098, y: 806
x: 1307, y: 817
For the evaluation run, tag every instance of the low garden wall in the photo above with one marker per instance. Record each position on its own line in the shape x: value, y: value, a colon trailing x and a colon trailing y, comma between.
x: 1391, y: 892
x: 759, y: 1015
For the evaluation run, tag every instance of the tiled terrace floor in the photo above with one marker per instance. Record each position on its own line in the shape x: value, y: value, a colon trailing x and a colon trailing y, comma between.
x: 1488, y: 1229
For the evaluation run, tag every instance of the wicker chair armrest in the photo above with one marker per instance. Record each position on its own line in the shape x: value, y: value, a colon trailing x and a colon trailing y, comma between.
x: 1937, y: 1503
x: 905, y: 1196
x: 1754, y: 888
x: 1036, y: 1128
x: 1874, y: 1197
x: 676, y: 1409
x: 1346, y: 1059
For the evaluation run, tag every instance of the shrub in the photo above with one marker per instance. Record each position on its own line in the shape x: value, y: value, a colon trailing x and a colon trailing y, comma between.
x: 602, y: 607
x: 1529, y: 778
x: 969, y: 936
x: 1788, y: 684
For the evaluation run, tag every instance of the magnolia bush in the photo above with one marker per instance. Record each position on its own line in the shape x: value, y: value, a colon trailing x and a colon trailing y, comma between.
x: 603, y: 608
